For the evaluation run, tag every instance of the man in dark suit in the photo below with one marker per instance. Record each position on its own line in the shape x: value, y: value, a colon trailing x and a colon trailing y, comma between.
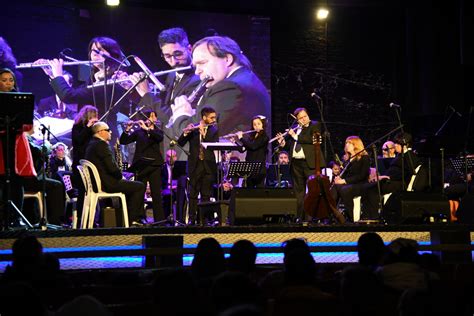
x: 299, y: 143
x: 201, y: 162
x: 100, y: 154
x: 54, y: 107
x: 148, y: 158
x: 235, y: 92
x: 392, y: 181
x: 174, y: 181
x: 176, y: 51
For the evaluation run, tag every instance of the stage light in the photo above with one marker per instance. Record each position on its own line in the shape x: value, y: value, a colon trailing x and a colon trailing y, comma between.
x: 113, y: 2
x: 322, y: 14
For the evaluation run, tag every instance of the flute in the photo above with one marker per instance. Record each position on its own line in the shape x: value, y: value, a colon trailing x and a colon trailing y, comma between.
x: 284, y: 134
x: 67, y: 63
x: 235, y: 134
x: 114, y: 81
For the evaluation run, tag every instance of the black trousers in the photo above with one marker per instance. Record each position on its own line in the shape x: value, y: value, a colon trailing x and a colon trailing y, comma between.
x: 152, y: 174
x: 179, y: 195
x: 55, y: 197
x: 200, y: 181
x: 347, y: 192
x: 135, y: 193
x: 370, y: 196
x: 300, y: 173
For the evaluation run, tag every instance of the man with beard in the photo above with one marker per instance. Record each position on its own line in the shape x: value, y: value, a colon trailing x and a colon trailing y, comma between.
x: 176, y: 51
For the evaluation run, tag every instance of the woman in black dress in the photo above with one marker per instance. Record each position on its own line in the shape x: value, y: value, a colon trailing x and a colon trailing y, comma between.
x: 256, y: 145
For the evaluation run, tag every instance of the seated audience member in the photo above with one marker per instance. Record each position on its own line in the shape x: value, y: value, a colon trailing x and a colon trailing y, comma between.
x: 371, y: 250
x: 100, y: 154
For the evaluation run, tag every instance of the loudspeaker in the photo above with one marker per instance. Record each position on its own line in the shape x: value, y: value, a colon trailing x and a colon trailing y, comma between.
x: 415, y: 208
x: 260, y: 206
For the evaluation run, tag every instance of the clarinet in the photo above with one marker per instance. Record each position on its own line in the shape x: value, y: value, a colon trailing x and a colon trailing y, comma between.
x: 198, y: 89
x: 118, y: 155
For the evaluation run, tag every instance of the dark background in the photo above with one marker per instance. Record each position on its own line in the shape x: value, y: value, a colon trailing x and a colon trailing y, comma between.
x: 367, y: 55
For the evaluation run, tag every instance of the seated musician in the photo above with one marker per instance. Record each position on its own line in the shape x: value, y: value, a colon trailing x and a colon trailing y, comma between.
x: 356, y: 173
x: 54, y: 107
x: 392, y: 181
x: 283, y: 158
x: 59, y: 160
x: 55, y: 191
x: 388, y: 150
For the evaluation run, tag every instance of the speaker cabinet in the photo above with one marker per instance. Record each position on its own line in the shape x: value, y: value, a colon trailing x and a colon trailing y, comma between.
x: 264, y: 206
x: 416, y: 208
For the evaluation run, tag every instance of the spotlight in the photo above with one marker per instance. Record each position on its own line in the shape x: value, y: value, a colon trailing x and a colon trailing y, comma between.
x: 113, y: 2
x: 322, y: 14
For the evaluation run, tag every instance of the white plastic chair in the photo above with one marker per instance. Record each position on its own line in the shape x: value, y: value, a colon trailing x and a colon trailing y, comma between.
x: 39, y: 197
x: 93, y: 197
x: 85, y: 205
x: 357, y: 199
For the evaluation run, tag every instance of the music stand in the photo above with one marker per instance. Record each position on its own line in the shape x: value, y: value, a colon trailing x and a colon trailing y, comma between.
x: 244, y: 170
x: 16, y: 109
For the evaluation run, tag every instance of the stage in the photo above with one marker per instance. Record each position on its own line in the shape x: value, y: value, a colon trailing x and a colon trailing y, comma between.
x: 103, y: 248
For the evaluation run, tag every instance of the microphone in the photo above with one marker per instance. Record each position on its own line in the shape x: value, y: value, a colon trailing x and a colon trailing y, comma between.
x: 124, y: 63
x: 314, y: 95
x: 454, y: 111
x: 394, y: 105
x: 49, y: 133
x: 150, y: 75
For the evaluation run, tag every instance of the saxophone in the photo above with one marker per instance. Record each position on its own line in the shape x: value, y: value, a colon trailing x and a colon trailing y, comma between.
x: 118, y: 154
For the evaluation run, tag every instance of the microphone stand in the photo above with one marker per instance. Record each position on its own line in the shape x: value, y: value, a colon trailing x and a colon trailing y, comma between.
x: 43, y: 223
x: 327, y: 134
x: 444, y: 124
x: 122, y: 97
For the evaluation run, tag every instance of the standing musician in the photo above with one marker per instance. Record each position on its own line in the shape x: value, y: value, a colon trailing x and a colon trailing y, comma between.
x: 234, y: 91
x: 176, y: 51
x: 148, y: 138
x: 301, y: 148
x: 256, y: 145
x: 355, y: 175
x: 201, y: 162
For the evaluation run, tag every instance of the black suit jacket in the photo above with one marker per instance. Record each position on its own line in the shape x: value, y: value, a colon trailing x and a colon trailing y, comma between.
x: 357, y: 171
x: 411, y: 161
x: 99, y: 153
x: 194, y: 145
x: 50, y: 104
x: 305, y: 138
x: 147, y: 144
x: 236, y: 100
x: 162, y: 104
x: 81, y: 135
x: 257, y: 148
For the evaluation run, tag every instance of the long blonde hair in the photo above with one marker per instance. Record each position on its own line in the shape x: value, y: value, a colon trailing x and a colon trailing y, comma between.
x: 358, y: 146
x: 84, y: 114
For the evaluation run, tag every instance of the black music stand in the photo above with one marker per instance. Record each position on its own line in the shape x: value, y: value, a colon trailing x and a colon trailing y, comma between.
x: 244, y: 170
x: 16, y: 109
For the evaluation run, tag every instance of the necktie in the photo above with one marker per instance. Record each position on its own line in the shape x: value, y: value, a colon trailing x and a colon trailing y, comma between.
x: 175, y: 83
x: 297, y: 147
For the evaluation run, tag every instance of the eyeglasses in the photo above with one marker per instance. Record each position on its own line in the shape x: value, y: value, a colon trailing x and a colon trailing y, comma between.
x: 107, y: 130
x: 387, y: 148
x: 176, y: 54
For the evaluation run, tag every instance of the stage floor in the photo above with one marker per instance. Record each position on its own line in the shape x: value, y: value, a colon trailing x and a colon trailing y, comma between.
x: 122, y: 247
